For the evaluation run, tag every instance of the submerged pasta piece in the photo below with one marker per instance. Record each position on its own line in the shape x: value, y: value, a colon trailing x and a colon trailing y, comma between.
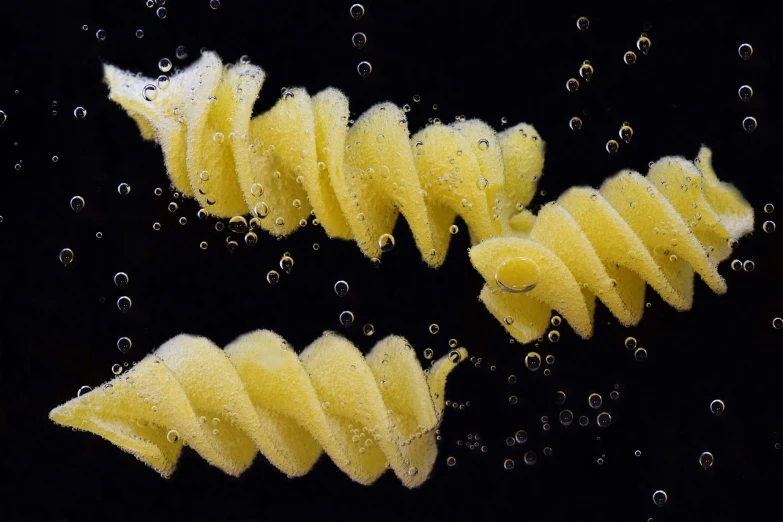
x: 366, y: 413
x: 606, y: 244
x: 301, y: 156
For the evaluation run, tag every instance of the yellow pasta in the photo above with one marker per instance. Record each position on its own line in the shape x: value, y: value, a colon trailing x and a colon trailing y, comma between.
x: 367, y: 413
x: 302, y: 155
x: 659, y: 229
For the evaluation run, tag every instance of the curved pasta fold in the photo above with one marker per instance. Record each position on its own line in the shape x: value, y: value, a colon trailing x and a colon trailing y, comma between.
x: 302, y: 155
x: 367, y: 413
x: 658, y: 229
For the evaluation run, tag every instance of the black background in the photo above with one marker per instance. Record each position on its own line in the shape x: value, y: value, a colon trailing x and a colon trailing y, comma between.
x: 485, y: 59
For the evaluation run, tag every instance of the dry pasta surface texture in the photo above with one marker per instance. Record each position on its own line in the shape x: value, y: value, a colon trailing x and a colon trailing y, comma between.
x: 367, y: 414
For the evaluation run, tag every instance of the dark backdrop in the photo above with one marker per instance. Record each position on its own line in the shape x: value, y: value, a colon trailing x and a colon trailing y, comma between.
x: 487, y: 59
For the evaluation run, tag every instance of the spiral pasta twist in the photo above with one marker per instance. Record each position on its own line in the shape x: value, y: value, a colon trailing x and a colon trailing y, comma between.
x: 302, y: 155
x: 367, y: 413
x: 659, y: 229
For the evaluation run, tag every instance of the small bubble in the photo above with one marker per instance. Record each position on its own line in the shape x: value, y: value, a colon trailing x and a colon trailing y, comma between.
x: 584, y: 421
x: 512, y: 379
x: 586, y: 71
x: 768, y: 227
x: 637, y: 453
x: 162, y: 12
x: 139, y: 33
x: 386, y: 242
x: 100, y: 35
x: 626, y: 133
x: 749, y: 124
x: 717, y: 407
x: 428, y: 353
x: 640, y: 354
x: 77, y: 203
x: 660, y: 497
x: 346, y: 318
x: 483, y: 144
x: 156, y: 226
x: 164, y: 64
x: 364, y: 69
x: 451, y: 461
x: 173, y: 207
x: 572, y: 85
x: 79, y: 113
x: 530, y: 458
x: 566, y: 417
x: 612, y: 147
x: 83, y: 390
x: 172, y: 436
x: 769, y: 208
x: 357, y: 11
x: 554, y: 336
x: 629, y: 57
x: 745, y: 93
x: 181, y: 52
x: 359, y: 40
x: 575, y: 123
x: 556, y: 320
x: 533, y: 361
x: 454, y: 356
x: 614, y: 395
x: 706, y: 460
x: 604, y: 419
x: 214, y: 4
x: 630, y: 343
x: 595, y: 401
x: 434, y: 328
x: 116, y: 369
x: 745, y: 51
x: 341, y: 288
x: 560, y: 397
x: 121, y: 279
x: 237, y: 224
x: 66, y: 256
x: 582, y: 23
x: 453, y: 229
x: 123, y: 189
x: 124, y: 304
x: 777, y: 323
x: 513, y: 400
x: 273, y: 277
x: 124, y: 344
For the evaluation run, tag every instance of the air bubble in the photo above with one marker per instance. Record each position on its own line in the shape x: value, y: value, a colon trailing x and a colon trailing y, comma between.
x: 124, y: 344
x: 124, y: 304
x: 77, y: 203
x: 341, y: 288
x: 660, y: 497
x: 359, y: 40
x: 604, y: 419
x: 768, y: 227
x: 572, y: 85
x: 272, y: 277
x: 612, y: 147
x: 533, y: 361
x: 517, y: 275
x: 629, y: 57
x: 745, y: 51
x: 575, y: 123
x: 749, y: 124
x: 582, y: 23
x: 386, y: 242
x: 66, y: 256
x: 586, y: 71
x: 123, y: 189
x: 347, y: 318
x: 79, y: 113
x: 717, y: 407
x: 745, y: 93
x: 595, y: 401
x: 706, y: 460
x: 121, y: 279
x: 364, y: 69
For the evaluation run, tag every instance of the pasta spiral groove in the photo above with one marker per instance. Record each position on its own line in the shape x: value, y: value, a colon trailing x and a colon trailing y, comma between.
x: 367, y: 413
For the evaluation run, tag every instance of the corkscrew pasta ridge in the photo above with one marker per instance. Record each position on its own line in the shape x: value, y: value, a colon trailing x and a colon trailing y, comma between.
x: 366, y: 413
